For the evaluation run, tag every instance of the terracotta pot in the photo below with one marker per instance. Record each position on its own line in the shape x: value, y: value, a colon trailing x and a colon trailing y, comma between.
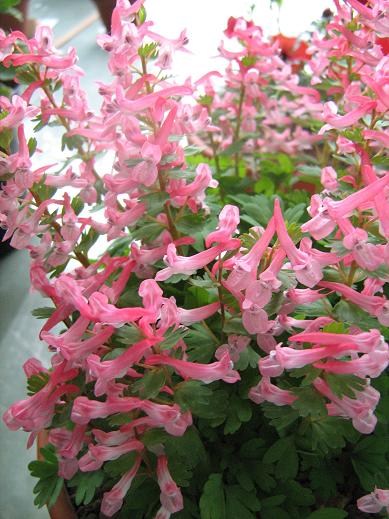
x: 63, y: 508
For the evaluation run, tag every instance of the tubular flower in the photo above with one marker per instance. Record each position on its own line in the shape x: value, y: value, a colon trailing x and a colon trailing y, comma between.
x: 113, y: 499
x: 265, y: 391
x: 207, y: 373
x: 171, y: 497
x: 182, y: 265
x: 308, y: 271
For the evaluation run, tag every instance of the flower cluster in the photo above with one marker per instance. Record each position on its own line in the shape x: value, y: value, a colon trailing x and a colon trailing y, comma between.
x: 204, y: 280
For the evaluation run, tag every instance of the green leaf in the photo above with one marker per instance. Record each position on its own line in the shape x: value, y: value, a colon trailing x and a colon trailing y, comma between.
x: 253, y: 448
x: 150, y: 385
x: 128, y: 335
x: 352, y: 314
x: 201, y: 400
x: 294, y: 214
x: 5, y: 137
x: 344, y: 385
x: 297, y: 494
x: 184, y: 454
x: 148, y: 232
x: 133, y: 161
x: 201, y: 344
x: 249, y: 61
x: 121, y: 465
x: 7, y: 4
x: 32, y: 144
x: 42, y: 191
x: 234, y: 148
x: 86, y: 484
x: 77, y: 204
x: 43, y: 313
x: 371, y: 463
x: 191, y: 224
x: 280, y: 417
x: 283, y: 453
x: 258, y: 207
x: 335, y: 328
x: 154, y: 437
x: 265, y: 185
x: 37, y: 382
x: 272, y: 501
x: 235, y: 326
x: 238, y: 411
x: 262, y: 476
x: 313, y: 309
x: 155, y: 202
x: 329, y: 433
x: 235, y: 508
x: 87, y: 241
x: 328, y: 513
x: 309, y: 402
x: 212, y: 501
x: 172, y: 338
x: 148, y: 50
x: 324, y: 477
x: 308, y: 372
x: 246, y: 498
x: 49, y: 485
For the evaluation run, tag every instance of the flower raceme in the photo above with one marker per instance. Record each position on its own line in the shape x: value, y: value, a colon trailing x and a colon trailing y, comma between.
x: 131, y: 337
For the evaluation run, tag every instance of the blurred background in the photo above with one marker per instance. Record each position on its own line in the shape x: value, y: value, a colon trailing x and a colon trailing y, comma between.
x: 76, y: 23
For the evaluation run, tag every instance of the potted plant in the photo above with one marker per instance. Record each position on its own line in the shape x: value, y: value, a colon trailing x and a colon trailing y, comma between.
x: 225, y: 355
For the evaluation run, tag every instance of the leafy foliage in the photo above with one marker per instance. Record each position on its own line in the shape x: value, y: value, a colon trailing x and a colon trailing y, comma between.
x: 49, y: 485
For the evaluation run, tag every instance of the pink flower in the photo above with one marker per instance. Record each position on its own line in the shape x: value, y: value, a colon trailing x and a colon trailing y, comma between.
x: 329, y: 178
x: 321, y: 224
x: 85, y: 410
x: 365, y: 341
x: 17, y: 109
x: 290, y: 358
x: 365, y: 254
x: 146, y: 172
x: 255, y: 319
x: 36, y: 412
x: 360, y: 409
x: 345, y: 207
x: 68, y: 443
x: 250, y: 261
x: 373, y: 503
x: 270, y: 366
x: 374, y: 305
x: 370, y: 364
x: 308, y: 271
x: 194, y: 315
x: 163, y: 513
x: 182, y: 265
x: 379, y: 136
x: 151, y: 295
x: 101, y: 311
x: 228, y: 222
x: 113, y: 499
x: 330, y: 116
x: 98, y: 454
x: 107, y: 370
x: 170, y: 417
x: 171, y: 497
x: 236, y: 344
x: 265, y: 391
x: 192, y: 194
x: 260, y: 292
x: 207, y: 373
